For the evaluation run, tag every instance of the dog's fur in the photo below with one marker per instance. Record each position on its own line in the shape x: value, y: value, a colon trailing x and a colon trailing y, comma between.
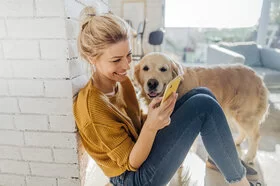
x: 240, y: 92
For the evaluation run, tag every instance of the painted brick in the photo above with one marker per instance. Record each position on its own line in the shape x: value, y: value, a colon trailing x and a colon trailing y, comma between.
x: 8, y: 152
x: 13, y: 166
x: 6, y: 121
x: 4, y: 89
x: 1, y: 51
x: 31, y: 122
x: 45, y: 139
x: 2, y: 28
x: 55, y: 170
x: 65, y: 155
x: 58, y: 88
x: 6, y: 69
x: 53, y: 49
x: 40, y: 181
x: 8, y: 105
x: 16, y: 8
x: 11, y: 180
x: 69, y: 182
x: 11, y: 137
x: 36, y: 28
x: 40, y: 69
x: 45, y: 105
x: 62, y: 123
x: 37, y: 154
x: 21, y: 49
x: 49, y: 8
x: 26, y: 87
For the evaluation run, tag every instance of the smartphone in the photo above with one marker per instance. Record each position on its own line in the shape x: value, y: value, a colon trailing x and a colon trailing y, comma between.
x: 171, y: 87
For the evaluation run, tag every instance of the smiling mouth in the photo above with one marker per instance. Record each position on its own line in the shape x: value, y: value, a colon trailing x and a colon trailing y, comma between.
x: 153, y: 94
x: 121, y: 74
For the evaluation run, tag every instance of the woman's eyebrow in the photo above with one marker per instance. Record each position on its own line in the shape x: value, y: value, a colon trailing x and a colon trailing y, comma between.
x: 121, y: 56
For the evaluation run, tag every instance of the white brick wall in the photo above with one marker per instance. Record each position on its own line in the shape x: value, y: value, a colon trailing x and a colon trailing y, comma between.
x: 62, y: 123
x: 53, y: 49
x: 2, y: 28
x: 13, y: 166
x: 7, y: 122
x: 9, y: 137
x: 8, y: 152
x: 54, y: 170
x: 20, y: 87
x: 46, y: 139
x: 42, y: 181
x: 36, y: 28
x: 21, y: 49
x: 1, y: 51
x: 38, y: 144
x: 65, y: 155
x: 49, y: 8
x: 31, y: 122
x: 58, y: 88
x: 67, y: 182
x: 4, y: 89
x: 14, y: 180
x: 39, y: 73
x: 16, y: 8
x: 37, y: 154
x: 10, y: 105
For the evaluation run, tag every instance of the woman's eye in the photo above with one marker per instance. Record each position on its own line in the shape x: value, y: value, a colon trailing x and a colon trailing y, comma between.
x: 129, y: 55
x: 117, y: 60
x: 145, y: 68
x: 162, y: 69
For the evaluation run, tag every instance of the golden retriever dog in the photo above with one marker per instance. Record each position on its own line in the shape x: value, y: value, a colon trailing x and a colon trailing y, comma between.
x: 240, y: 92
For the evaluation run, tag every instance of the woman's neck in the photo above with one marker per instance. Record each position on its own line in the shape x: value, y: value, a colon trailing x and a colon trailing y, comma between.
x: 104, y: 84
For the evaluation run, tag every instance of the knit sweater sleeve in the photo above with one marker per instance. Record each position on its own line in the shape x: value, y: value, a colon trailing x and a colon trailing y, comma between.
x: 114, y: 141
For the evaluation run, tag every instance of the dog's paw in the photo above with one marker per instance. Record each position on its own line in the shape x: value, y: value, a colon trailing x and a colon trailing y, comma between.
x: 237, y: 142
x: 249, y: 160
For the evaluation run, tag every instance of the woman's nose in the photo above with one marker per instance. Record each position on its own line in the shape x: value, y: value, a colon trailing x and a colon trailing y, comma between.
x: 125, y: 64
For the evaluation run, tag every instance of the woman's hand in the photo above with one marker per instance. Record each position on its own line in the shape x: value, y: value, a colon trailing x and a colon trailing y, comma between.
x: 159, y: 116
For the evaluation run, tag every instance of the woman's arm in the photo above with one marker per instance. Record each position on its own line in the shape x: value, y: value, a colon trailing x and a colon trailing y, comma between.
x: 157, y: 118
x: 142, y: 147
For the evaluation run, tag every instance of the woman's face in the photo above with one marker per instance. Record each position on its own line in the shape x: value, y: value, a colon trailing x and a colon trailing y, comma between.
x: 113, y: 64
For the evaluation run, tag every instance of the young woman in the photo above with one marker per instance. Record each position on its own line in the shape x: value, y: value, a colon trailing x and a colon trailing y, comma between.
x: 130, y: 149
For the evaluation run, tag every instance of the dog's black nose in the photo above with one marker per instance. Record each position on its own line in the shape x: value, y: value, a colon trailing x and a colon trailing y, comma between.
x: 152, y: 84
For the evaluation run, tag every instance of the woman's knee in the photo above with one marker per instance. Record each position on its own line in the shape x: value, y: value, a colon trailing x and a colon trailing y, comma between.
x: 191, y: 93
x: 203, y: 101
x: 204, y: 90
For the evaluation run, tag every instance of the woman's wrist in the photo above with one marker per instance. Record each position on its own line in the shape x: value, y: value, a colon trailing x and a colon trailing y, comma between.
x: 148, y: 127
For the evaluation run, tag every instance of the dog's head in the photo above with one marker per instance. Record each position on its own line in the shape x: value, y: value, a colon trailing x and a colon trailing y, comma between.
x: 154, y: 72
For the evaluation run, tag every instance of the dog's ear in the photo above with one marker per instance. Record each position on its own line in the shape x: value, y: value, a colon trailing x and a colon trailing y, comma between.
x: 177, y: 69
x: 137, y: 73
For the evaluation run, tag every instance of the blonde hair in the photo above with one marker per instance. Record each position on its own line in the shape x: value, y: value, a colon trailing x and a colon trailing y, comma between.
x: 97, y: 32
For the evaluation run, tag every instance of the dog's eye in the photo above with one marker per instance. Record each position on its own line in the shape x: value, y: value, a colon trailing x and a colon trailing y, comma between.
x: 163, y: 69
x: 146, y: 68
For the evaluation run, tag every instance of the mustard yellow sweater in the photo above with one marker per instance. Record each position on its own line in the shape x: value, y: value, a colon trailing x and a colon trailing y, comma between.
x: 108, y: 126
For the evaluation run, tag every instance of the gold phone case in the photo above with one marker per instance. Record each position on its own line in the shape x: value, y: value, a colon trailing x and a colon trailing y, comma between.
x: 171, y: 87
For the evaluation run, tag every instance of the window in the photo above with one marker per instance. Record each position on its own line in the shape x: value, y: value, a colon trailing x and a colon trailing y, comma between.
x: 212, y: 13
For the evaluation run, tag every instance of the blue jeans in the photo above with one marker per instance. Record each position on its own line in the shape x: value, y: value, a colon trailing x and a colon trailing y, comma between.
x: 196, y: 112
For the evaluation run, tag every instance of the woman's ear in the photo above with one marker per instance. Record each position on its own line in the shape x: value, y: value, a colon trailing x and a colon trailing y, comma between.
x: 92, y: 60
